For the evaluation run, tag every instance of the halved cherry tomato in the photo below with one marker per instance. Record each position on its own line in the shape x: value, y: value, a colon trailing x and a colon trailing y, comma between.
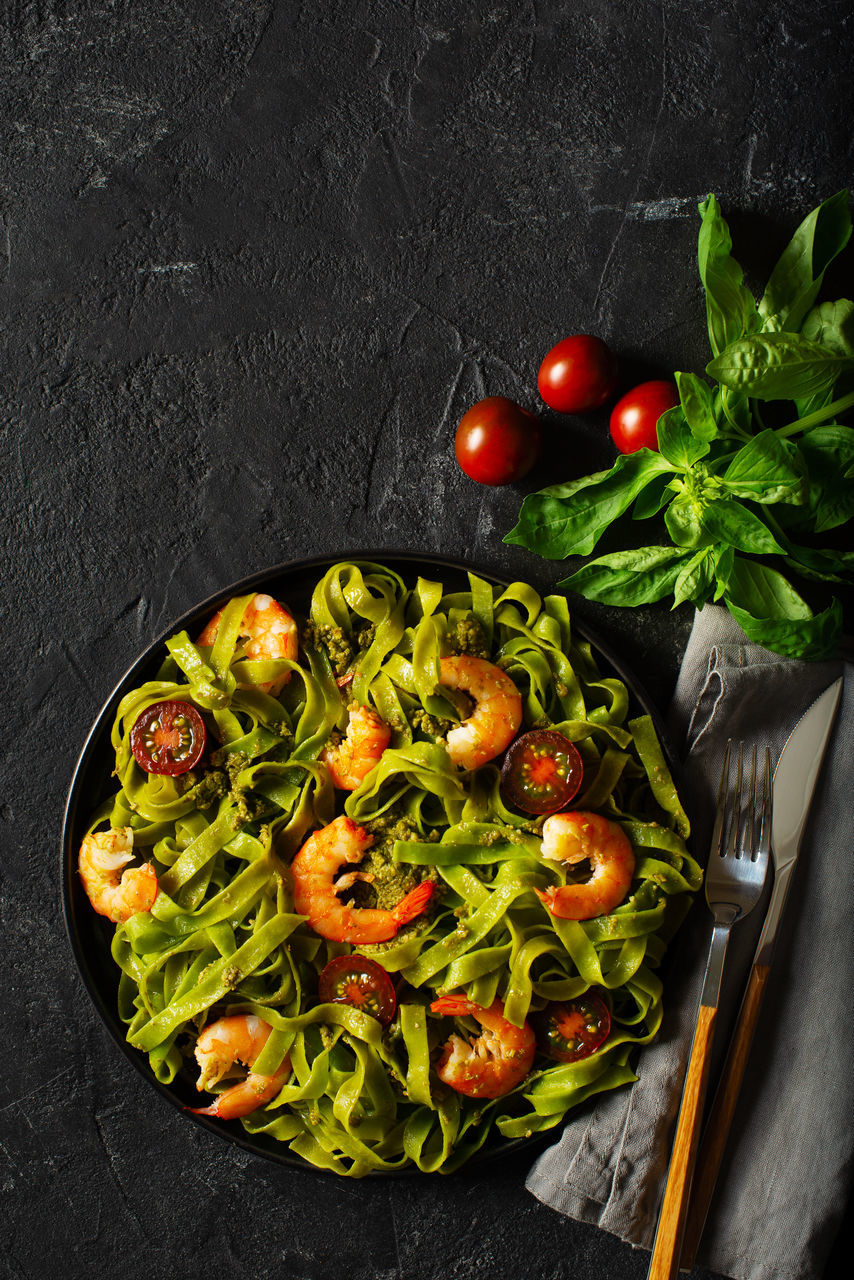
x: 579, y: 374
x: 168, y: 737
x: 360, y: 982
x: 574, y: 1029
x: 497, y: 441
x: 542, y: 771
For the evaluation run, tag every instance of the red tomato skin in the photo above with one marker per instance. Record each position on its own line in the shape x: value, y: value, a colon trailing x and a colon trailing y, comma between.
x: 497, y: 441
x: 635, y: 416
x: 367, y: 975
x: 578, y: 374
x: 169, y: 766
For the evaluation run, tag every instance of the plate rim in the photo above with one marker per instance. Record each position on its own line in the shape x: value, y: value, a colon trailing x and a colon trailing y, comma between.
x: 260, y: 1145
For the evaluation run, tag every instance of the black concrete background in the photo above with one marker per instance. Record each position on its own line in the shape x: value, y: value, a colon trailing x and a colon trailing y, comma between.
x: 255, y: 261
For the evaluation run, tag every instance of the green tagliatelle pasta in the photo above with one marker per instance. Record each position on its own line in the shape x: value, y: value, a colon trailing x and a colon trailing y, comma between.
x: 223, y: 937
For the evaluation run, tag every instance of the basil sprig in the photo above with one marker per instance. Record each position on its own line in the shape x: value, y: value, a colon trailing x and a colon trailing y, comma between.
x: 737, y: 496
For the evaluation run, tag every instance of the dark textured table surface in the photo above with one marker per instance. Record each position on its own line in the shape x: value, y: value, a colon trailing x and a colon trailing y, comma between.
x: 256, y: 258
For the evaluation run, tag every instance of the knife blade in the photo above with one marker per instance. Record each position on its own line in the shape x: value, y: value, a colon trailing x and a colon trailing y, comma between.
x: 795, y: 778
x: 794, y: 783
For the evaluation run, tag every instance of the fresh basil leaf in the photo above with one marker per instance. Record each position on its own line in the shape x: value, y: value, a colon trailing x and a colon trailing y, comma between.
x: 764, y: 593
x: 650, y: 500
x: 628, y: 577
x: 736, y: 409
x: 698, y: 405
x: 696, y: 579
x: 820, y: 565
x: 832, y: 325
x: 778, y: 366
x: 831, y: 440
x: 796, y: 279
x: 815, y: 636
x: 676, y: 442
x: 569, y: 519
x: 682, y: 518
x: 724, y: 561
x: 730, y: 522
x: 809, y: 404
x: 828, y: 452
x: 730, y: 307
x: 766, y: 469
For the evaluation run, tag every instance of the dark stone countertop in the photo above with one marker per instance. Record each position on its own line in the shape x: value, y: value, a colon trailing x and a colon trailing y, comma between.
x: 256, y: 259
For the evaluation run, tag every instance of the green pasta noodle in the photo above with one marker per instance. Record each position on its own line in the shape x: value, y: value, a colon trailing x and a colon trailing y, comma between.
x: 223, y: 935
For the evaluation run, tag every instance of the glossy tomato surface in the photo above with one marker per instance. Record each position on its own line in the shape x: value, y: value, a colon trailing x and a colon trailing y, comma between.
x: 168, y: 738
x: 360, y: 982
x: 634, y: 417
x: 578, y: 374
x: 497, y: 441
x: 542, y: 771
x: 574, y: 1029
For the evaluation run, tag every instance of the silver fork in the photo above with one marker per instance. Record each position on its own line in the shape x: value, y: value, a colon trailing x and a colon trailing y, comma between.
x: 738, y: 861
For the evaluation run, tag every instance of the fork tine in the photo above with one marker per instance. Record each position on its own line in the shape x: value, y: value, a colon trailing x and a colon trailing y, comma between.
x: 764, y: 846
x: 732, y: 848
x: 748, y: 843
x: 720, y: 811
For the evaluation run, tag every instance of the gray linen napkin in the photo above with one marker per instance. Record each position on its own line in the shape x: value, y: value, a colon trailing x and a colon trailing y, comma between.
x: 783, y: 1184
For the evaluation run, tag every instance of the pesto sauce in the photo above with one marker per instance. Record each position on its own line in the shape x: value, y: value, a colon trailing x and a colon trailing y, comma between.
x: 468, y: 638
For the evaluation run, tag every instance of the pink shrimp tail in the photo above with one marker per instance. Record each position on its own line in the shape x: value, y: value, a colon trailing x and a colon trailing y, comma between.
x: 203, y: 1111
x: 413, y: 903
x: 549, y: 898
x: 453, y: 1006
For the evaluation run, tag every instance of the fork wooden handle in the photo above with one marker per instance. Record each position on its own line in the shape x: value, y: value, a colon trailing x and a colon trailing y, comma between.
x: 720, y: 1119
x: 671, y: 1224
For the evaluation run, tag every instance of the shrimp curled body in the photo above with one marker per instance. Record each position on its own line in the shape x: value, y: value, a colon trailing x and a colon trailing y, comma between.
x: 576, y: 837
x: 114, y: 889
x: 367, y: 737
x: 497, y: 714
x: 314, y: 869
x: 237, y: 1038
x: 494, y: 1063
x: 270, y: 634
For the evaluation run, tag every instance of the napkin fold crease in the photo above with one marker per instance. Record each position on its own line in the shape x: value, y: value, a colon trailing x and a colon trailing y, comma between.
x: 786, y: 1173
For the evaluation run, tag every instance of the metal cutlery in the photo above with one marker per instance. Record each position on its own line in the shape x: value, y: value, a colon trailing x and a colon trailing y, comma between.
x: 738, y: 861
x: 794, y: 782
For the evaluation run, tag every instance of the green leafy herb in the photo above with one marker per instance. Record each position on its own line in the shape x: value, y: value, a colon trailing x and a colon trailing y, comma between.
x: 569, y: 519
x: 734, y: 491
x: 778, y: 366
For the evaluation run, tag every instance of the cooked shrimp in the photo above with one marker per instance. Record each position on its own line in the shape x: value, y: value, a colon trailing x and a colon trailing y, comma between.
x: 237, y: 1038
x: 492, y: 1064
x: 356, y: 754
x: 270, y: 633
x: 576, y: 837
x: 316, y: 891
x: 114, y: 892
x: 496, y: 716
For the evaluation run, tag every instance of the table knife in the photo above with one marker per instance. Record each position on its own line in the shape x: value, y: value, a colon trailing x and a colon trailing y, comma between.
x: 794, y: 783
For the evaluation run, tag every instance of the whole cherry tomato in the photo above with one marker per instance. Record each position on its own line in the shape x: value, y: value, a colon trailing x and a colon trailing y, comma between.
x: 577, y: 375
x: 634, y: 417
x: 497, y: 441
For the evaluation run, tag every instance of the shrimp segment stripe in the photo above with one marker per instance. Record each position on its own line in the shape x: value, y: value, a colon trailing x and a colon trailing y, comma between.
x: 223, y: 935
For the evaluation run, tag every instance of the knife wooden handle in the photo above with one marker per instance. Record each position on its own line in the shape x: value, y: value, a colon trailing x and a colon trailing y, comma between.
x: 720, y: 1119
x: 668, y: 1239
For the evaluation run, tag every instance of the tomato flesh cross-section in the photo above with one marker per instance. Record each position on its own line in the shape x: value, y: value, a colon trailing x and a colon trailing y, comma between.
x: 542, y: 771
x: 168, y: 738
x: 574, y: 1029
x: 360, y: 982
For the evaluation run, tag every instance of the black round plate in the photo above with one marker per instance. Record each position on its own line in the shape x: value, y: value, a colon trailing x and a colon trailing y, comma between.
x: 90, y: 934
